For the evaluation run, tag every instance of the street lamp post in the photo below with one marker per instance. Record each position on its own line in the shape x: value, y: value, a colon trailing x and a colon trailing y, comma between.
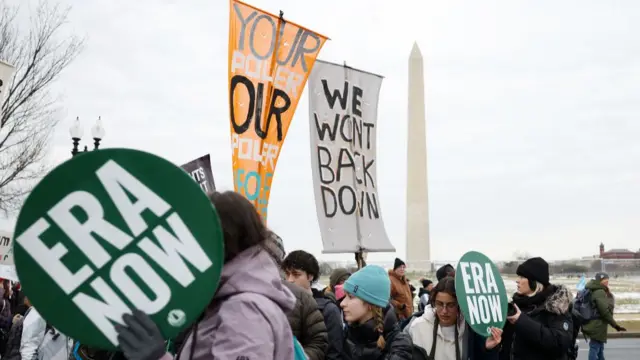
x: 76, y: 131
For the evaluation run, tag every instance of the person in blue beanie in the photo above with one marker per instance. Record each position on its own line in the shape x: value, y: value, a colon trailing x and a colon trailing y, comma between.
x: 369, y: 335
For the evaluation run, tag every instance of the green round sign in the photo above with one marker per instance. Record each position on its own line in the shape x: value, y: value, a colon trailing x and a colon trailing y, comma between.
x: 481, y: 293
x: 113, y: 230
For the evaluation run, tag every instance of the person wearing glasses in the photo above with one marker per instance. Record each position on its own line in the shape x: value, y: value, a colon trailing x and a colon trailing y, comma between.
x: 441, y: 333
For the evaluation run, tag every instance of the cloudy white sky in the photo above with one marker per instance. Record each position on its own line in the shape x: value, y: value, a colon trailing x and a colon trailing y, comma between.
x: 532, y: 111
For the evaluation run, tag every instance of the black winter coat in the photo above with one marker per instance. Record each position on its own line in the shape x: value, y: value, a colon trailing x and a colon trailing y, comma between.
x: 361, y: 341
x: 335, y: 326
x: 544, y: 329
x: 307, y: 323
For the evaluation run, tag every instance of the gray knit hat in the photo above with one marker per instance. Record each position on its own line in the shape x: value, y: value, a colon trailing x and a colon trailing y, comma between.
x: 275, y: 246
x: 338, y: 275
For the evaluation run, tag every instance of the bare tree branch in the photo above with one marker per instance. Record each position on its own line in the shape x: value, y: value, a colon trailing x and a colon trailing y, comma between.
x: 29, y: 114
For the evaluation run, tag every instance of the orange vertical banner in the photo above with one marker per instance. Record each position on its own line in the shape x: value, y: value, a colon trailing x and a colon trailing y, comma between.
x: 270, y: 60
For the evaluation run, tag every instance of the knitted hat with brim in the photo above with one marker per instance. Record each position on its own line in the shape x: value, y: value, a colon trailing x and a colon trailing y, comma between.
x: 370, y: 284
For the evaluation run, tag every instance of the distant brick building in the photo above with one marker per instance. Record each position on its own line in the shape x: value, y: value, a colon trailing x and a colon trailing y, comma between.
x: 616, y: 254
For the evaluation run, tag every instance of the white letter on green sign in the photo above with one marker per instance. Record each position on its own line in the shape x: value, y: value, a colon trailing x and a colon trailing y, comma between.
x: 132, y: 290
x: 114, y: 178
x: 466, y: 277
x: 175, y: 249
x: 100, y: 312
x: 81, y: 233
x: 49, y: 258
x: 492, y: 286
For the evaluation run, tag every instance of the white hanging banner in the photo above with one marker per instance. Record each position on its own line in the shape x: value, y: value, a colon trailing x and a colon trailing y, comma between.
x: 343, y: 114
x: 6, y: 74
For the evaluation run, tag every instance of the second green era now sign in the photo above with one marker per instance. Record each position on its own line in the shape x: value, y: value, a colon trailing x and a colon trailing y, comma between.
x: 481, y: 293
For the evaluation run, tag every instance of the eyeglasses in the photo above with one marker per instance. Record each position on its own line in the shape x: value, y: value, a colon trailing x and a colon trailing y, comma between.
x: 449, y: 306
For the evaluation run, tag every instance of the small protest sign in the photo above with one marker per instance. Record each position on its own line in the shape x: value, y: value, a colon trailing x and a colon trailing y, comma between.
x: 6, y: 248
x: 6, y: 74
x: 113, y: 230
x: 200, y: 171
x: 270, y: 59
x: 481, y: 293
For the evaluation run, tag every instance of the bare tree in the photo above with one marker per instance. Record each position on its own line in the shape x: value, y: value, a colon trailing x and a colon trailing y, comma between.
x: 40, y: 52
x: 521, y: 255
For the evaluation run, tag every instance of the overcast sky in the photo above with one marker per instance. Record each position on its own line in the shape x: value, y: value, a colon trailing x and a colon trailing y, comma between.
x: 532, y: 111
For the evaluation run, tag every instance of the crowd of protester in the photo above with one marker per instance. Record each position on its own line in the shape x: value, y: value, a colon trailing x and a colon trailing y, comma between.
x: 266, y: 307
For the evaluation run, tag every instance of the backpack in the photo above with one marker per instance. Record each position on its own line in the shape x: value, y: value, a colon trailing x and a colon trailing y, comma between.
x: 584, y: 309
x: 404, y: 323
x: 298, y: 351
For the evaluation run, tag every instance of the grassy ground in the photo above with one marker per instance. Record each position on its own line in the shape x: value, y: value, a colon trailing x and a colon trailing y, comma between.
x: 631, y: 326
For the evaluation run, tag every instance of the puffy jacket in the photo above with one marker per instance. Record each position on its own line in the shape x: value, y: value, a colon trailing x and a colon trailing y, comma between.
x: 307, y: 323
x: 597, y: 329
x: 401, y: 297
x: 361, y: 341
x: 25, y: 337
x: 335, y: 325
x: 544, y: 329
x: 246, y: 317
x: 472, y: 346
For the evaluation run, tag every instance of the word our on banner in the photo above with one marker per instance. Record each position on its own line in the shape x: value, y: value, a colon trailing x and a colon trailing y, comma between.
x: 200, y: 170
x: 6, y: 248
x: 269, y: 62
x: 6, y: 74
x: 481, y: 293
x: 115, y: 230
x: 343, y: 115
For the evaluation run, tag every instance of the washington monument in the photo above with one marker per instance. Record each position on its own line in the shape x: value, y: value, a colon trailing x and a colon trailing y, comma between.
x: 418, y: 247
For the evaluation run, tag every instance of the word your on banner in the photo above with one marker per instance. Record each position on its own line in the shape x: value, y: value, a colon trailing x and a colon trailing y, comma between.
x: 200, y: 171
x: 115, y: 230
x: 6, y: 74
x: 6, y: 248
x: 481, y: 293
x: 343, y: 115
x: 269, y: 61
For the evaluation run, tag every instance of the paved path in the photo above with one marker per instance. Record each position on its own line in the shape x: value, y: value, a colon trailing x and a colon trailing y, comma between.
x: 615, y: 349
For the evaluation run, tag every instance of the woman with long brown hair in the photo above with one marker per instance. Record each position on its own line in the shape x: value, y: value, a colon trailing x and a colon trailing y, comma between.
x: 441, y: 333
x: 246, y: 317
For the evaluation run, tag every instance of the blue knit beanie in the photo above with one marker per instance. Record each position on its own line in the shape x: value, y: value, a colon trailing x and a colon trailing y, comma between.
x: 371, y: 284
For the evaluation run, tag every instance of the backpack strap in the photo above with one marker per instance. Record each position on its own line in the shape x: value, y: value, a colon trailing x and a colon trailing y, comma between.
x: 432, y: 353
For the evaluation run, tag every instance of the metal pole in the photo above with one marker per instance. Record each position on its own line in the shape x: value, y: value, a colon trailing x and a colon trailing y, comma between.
x: 355, y: 183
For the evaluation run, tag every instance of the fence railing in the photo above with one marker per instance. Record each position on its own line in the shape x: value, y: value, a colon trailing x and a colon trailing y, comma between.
x: 570, y: 268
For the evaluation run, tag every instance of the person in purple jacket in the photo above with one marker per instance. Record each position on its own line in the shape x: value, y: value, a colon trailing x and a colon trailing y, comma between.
x: 246, y: 317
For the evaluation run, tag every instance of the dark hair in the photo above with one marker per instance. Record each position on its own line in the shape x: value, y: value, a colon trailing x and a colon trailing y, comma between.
x: 444, y: 271
x: 241, y: 224
x: 447, y: 285
x: 302, y: 260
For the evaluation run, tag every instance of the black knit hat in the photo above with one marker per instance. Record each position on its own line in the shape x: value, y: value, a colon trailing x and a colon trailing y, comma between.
x: 444, y: 271
x: 398, y: 263
x: 535, y: 269
x: 426, y: 282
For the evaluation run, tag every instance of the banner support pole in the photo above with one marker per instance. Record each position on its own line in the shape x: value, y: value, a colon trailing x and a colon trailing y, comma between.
x: 359, y: 254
